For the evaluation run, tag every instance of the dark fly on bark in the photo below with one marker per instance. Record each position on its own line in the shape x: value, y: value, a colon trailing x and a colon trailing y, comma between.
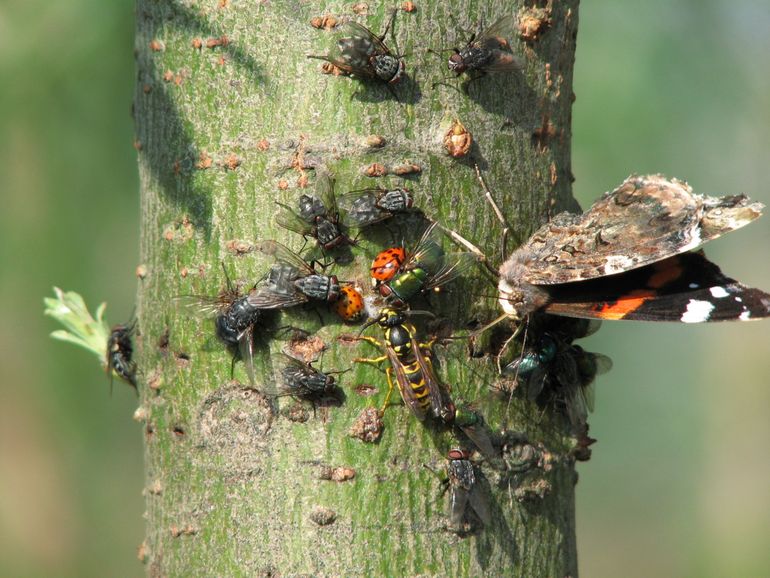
x: 235, y: 320
x: 291, y: 281
x: 361, y: 53
x: 120, y: 350
x: 465, y: 494
x: 299, y: 379
x: 317, y: 215
x: 370, y: 206
x: 490, y: 51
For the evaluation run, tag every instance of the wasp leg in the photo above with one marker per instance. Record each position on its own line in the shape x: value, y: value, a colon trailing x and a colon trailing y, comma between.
x: 371, y: 360
x: 388, y: 373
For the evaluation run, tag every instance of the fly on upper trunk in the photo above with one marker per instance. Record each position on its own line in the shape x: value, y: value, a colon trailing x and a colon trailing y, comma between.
x: 490, y: 51
x: 317, y: 217
x: 361, y: 53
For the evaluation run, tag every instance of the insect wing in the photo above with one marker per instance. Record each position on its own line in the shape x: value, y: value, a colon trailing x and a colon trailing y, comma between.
x: 203, y: 306
x: 369, y: 42
x: 687, y: 288
x: 404, y: 385
x: 498, y: 34
x: 324, y: 188
x: 455, y: 264
x: 496, y: 39
x: 246, y: 351
x: 458, y: 502
x: 480, y: 504
x: 361, y: 207
x: 644, y: 220
x: 439, y: 402
x: 265, y: 298
x: 289, y: 219
x: 285, y: 255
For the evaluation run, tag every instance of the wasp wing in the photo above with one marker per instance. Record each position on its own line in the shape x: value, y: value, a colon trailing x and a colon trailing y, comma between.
x: 440, y: 405
x: 404, y: 385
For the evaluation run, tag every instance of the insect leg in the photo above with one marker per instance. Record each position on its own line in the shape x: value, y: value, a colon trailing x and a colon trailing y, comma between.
x: 388, y: 373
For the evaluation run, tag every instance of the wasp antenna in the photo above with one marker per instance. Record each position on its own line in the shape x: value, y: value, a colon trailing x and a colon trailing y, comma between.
x: 416, y: 312
x: 367, y: 325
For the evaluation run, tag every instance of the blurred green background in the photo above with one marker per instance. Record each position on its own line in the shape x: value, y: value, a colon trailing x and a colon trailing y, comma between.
x: 678, y: 485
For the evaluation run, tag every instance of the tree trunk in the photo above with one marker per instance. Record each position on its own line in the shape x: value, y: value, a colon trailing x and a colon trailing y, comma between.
x: 228, y: 111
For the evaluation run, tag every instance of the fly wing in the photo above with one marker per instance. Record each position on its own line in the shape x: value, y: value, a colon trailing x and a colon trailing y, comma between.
x: 200, y: 305
x: 360, y: 207
x: 361, y: 33
x: 480, y: 504
x: 324, y: 188
x: 289, y: 219
x: 497, y: 40
x: 458, y: 501
x: 246, y: 350
x: 644, y: 220
x: 454, y: 265
x: 498, y: 35
x: 265, y: 298
x: 285, y: 255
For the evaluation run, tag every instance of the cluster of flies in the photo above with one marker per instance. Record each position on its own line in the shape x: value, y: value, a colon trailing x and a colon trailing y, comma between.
x: 608, y: 278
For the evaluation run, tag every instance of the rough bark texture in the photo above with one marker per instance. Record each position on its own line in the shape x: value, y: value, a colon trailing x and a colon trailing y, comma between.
x: 225, y: 99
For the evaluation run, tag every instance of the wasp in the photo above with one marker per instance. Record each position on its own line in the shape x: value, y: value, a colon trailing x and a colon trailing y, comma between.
x: 235, y: 319
x: 490, y: 51
x: 399, y: 275
x: 411, y: 364
x: 370, y: 206
x: 317, y: 216
x: 359, y: 52
x: 555, y: 368
x: 120, y: 349
x: 292, y: 281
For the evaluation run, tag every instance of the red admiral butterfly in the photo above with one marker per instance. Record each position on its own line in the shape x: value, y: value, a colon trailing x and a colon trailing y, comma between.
x: 630, y: 257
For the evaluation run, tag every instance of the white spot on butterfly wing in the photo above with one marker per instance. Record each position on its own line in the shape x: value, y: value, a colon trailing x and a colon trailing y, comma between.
x: 745, y: 316
x: 693, y: 285
x: 697, y: 311
x: 718, y: 292
x: 617, y: 264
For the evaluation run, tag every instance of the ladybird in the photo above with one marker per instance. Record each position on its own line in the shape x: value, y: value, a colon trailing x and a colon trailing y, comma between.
x: 350, y: 305
x: 387, y: 264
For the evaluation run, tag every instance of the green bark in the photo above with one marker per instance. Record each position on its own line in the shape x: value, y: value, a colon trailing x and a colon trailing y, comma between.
x: 231, y: 480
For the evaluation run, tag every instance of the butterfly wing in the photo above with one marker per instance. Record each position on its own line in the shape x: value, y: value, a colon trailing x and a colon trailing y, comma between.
x: 687, y: 288
x: 644, y: 220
